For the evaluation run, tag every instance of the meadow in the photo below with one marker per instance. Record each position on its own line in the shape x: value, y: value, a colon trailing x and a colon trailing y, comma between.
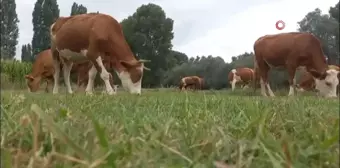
x: 168, y: 128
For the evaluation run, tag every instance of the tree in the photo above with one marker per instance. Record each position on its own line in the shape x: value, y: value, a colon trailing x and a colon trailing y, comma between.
x: 334, y: 12
x: 149, y: 33
x: 9, y: 29
x: 78, y: 9
x: 175, y: 58
x: 326, y: 29
x: 26, y: 53
x: 44, y: 14
x: 213, y: 69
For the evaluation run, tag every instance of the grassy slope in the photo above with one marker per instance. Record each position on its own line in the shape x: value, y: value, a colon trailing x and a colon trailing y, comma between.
x: 172, y: 129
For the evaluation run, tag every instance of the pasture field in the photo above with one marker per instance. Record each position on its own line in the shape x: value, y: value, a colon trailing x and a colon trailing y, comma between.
x: 168, y: 129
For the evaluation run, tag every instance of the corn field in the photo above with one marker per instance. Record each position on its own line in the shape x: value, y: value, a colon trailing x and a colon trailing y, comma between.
x: 13, y: 71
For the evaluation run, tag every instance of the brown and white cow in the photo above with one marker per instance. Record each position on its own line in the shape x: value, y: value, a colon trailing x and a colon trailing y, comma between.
x: 290, y: 51
x: 42, y: 69
x: 241, y: 75
x: 307, y: 82
x: 91, y: 37
x: 192, y: 82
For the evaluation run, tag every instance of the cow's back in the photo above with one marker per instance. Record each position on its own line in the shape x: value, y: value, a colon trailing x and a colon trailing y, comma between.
x: 77, y: 32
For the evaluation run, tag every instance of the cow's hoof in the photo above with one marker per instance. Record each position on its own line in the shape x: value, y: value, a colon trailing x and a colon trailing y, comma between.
x: 111, y: 93
x: 89, y: 93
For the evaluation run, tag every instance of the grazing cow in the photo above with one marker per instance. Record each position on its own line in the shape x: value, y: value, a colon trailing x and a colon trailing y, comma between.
x: 307, y: 81
x: 94, y: 36
x: 241, y: 75
x: 42, y: 70
x: 290, y: 51
x: 192, y: 82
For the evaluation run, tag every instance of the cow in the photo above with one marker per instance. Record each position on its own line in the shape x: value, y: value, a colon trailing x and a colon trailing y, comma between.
x: 91, y: 37
x: 307, y: 81
x: 290, y: 51
x: 241, y: 75
x: 192, y: 82
x: 42, y: 69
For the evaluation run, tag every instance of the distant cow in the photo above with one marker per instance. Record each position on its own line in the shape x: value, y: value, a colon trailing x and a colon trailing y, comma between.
x: 192, y: 82
x: 92, y: 37
x: 241, y: 75
x: 307, y: 82
x: 290, y: 51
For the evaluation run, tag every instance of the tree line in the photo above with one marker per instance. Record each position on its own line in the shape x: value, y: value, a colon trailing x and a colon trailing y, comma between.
x: 149, y: 32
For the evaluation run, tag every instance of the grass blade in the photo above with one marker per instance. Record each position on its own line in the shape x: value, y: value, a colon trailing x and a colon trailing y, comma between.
x: 58, y: 132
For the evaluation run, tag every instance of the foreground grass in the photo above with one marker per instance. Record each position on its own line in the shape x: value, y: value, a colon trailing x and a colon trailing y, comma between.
x: 168, y: 129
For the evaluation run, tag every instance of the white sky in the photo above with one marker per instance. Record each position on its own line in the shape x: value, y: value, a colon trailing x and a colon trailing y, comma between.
x: 207, y: 27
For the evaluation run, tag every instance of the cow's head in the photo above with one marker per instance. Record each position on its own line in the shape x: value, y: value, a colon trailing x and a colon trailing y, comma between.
x: 32, y: 83
x: 326, y: 82
x: 132, y: 75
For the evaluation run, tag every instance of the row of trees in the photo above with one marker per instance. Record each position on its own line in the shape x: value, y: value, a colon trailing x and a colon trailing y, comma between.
x: 149, y: 32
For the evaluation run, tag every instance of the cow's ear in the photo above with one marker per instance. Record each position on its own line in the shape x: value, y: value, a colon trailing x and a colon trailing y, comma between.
x: 29, y: 77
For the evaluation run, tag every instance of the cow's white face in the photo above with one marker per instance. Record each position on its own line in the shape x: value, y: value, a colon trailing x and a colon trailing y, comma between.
x: 327, y: 87
x: 132, y: 75
x: 133, y: 88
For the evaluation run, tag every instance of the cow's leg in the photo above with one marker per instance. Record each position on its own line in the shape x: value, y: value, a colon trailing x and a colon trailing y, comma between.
x: 56, y: 75
x: 265, y: 84
x: 291, y: 80
x: 263, y: 69
x: 92, y: 74
x: 67, y: 70
x: 184, y: 87
x: 245, y: 86
x: 82, y: 78
x: 104, y: 75
x: 242, y: 85
x: 48, y: 83
x: 112, y: 84
x: 78, y: 82
x: 271, y: 93
x: 233, y: 83
x: 263, y: 87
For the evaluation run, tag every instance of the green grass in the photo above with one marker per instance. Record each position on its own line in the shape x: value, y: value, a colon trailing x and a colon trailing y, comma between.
x: 166, y: 128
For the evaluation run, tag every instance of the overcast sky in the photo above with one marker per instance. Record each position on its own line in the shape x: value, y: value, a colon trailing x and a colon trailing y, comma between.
x: 223, y: 28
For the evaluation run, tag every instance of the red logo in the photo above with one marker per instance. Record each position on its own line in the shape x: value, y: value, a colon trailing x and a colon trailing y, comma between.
x: 280, y: 25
